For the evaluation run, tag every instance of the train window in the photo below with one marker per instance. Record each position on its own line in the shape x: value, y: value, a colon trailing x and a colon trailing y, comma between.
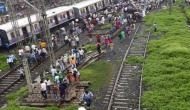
x: 83, y: 10
x: 61, y: 16
x: 18, y: 33
x: 91, y: 7
x: 12, y: 35
x: 99, y: 4
x: 51, y: 21
x: 64, y: 16
x: 35, y: 27
x: 71, y: 13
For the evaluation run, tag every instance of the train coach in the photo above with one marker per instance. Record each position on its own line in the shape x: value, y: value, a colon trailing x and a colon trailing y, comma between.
x: 56, y: 17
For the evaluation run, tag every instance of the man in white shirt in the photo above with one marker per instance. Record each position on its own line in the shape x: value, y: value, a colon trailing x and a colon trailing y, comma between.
x: 27, y: 48
x: 77, y: 40
x: 66, y: 40
x: 43, y: 90
x: 53, y: 71
x: 81, y: 52
x: 20, y: 52
x: 48, y: 85
x: 33, y: 47
x: 10, y: 62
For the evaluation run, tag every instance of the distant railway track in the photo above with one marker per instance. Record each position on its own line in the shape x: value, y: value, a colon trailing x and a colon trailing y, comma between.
x: 124, y: 92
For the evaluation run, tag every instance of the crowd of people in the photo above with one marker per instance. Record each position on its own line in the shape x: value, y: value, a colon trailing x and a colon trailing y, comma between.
x: 64, y: 72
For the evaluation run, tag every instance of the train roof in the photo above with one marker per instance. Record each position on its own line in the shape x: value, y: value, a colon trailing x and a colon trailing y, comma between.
x: 34, y: 18
x: 85, y: 3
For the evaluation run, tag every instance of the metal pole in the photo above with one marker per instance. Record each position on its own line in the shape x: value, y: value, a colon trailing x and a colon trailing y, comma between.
x: 47, y: 33
x: 27, y: 73
x: 30, y: 22
x: 45, y: 25
x: 13, y: 18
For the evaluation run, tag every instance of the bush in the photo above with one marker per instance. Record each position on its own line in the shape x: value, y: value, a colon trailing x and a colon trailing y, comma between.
x: 166, y: 70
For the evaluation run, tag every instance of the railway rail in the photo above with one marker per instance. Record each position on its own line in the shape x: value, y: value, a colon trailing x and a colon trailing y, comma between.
x: 124, y: 92
x: 10, y: 81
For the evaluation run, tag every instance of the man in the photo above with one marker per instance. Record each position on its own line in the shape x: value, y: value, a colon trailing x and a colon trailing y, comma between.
x: 76, y: 39
x: 21, y: 73
x: 53, y: 71
x: 20, y: 52
x: 48, y: 85
x: 87, y: 97
x: 43, y: 90
x: 66, y: 40
x: 62, y: 88
x: 98, y: 47
x: 10, y: 62
x: 81, y: 52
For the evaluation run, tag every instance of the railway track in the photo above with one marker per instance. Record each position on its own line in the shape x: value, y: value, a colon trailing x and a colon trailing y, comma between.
x: 10, y: 81
x: 124, y: 91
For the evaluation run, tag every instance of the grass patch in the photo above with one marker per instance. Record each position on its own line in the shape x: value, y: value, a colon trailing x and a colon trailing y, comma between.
x: 13, y: 100
x: 133, y: 60
x: 90, y: 47
x: 3, y: 62
x: 98, y: 73
x: 166, y: 70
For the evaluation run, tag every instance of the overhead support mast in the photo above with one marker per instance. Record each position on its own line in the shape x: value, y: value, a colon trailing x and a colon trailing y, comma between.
x: 45, y: 27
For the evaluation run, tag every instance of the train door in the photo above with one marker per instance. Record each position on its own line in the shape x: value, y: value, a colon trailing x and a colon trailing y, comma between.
x: 56, y: 20
x: 110, y: 1
x: 68, y: 15
x: 87, y: 11
x: 103, y: 2
x: 25, y: 32
x: 96, y: 6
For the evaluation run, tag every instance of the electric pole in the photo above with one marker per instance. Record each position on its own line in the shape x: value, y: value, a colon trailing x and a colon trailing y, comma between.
x: 13, y: 18
x: 28, y: 13
x: 16, y: 32
x: 45, y: 28
x: 27, y: 72
x: 47, y: 32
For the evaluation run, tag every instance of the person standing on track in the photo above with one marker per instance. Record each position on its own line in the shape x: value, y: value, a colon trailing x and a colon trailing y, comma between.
x: 10, y: 62
x: 21, y: 74
x: 43, y: 90
x: 87, y: 98
x: 98, y: 47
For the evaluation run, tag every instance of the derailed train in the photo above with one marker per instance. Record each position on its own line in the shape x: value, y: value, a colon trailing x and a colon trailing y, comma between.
x: 56, y: 17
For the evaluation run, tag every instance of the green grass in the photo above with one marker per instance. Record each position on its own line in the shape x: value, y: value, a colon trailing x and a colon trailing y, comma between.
x: 133, y: 60
x: 90, y: 47
x: 13, y: 100
x: 98, y: 73
x: 166, y: 71
x: 3, y: 62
